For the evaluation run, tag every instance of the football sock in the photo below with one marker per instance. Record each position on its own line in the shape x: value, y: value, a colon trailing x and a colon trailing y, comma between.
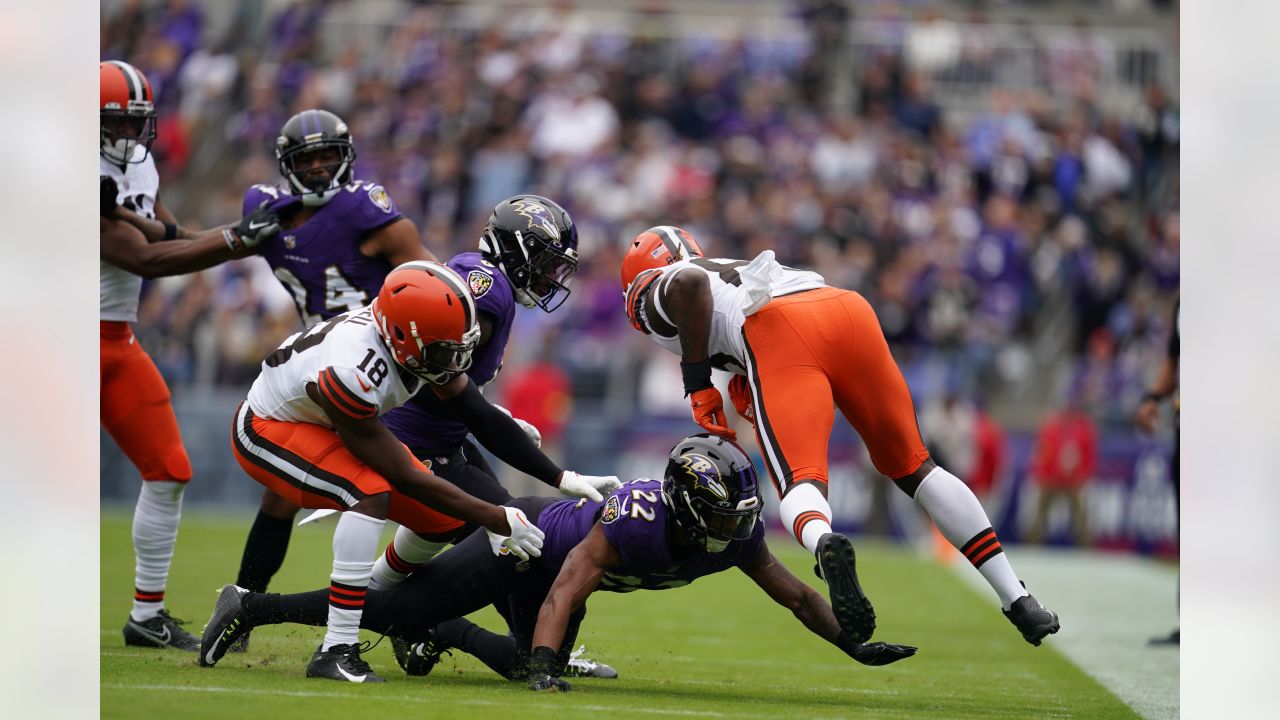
x: 264, y: 551
x: 355, y: 541
x: 806, y: 513
x: 155, y: 529
x: 496, y: 651
x: 404, y: 554
x: 960, y: 517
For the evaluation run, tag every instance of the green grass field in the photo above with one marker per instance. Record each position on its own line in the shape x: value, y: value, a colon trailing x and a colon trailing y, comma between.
x: 718, y: 648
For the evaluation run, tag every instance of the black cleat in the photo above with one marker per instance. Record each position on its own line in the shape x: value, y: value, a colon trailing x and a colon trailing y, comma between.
x: 419, y: 658
x: 226, y: 626
x: 341, y: 662
x: 852, y: 609
x: 1032, y: 619
x: 240, y: 645
x: 160, y: 631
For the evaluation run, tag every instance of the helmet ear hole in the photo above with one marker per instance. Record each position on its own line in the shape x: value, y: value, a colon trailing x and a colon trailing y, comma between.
x: 399, y: 334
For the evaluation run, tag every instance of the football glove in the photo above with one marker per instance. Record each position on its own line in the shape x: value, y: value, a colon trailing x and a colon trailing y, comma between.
x: 108, y: 191
x: 253, y: 229
x: 542, y: 665
x: 591, y: 487
x: 740, y: 396
x: 548, y: 683
x: 876, y: 653
x: 708, y: 412
x: 527, y: 427
x: 524, y: 541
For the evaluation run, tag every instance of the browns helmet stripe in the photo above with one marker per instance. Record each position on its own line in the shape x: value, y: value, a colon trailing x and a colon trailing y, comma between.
x: 139, y: 88
x: 676, y: 243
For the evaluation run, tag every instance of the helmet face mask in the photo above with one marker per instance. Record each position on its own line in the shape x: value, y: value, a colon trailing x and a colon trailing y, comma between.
x: 428, y: 320
x: 315, y: 155
x: 127, y: 113
x: 534, y: 242
x: 711, y: 488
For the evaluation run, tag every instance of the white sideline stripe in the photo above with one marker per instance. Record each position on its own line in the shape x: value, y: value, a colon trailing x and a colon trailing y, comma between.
x: 425, y: 699
x: 1110, y: 605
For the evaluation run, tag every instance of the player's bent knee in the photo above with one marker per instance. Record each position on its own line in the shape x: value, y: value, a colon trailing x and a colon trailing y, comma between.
x: 374, y: 506
x: 820, y: 483
x: 910, y: 482
x: 277, y: 507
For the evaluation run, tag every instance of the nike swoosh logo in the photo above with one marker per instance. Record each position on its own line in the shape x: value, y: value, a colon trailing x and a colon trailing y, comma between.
x: 163, y: 639
x: 208, y: 656
x: 349, y: 676
x: 362, y: 385
x: 258, y: 225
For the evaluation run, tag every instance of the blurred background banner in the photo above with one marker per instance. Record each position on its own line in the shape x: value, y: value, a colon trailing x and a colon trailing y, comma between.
x: 1000, y: 180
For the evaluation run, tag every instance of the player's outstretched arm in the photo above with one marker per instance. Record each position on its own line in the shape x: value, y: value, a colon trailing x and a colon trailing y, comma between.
x: 369, y: 440
x: 501, y: 435
x: 813, y: 610
x: 579, y: 576
x: 124, y: 246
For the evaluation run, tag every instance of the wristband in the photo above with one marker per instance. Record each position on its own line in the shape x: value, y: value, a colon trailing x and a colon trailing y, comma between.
x: 697, y: 376
x: 170, y: 231
x: 233, y: 241
x: 542, y: 661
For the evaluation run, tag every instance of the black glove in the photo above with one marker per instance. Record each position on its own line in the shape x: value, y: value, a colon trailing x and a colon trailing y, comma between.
x: 254, y: 229
x: 108, y: 191
x: 876, y: 653
x: 542, y: 669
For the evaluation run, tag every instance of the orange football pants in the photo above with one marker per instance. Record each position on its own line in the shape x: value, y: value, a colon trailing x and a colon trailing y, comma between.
x: 310, y: 466
x: 135, y: 408
x: 811, y: 352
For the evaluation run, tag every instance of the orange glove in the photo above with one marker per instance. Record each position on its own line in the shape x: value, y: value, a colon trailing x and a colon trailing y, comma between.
x: 708, y: 411
x: 740, y: 395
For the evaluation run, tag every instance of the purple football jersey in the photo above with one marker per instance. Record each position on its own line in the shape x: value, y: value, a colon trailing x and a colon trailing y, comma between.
x: 319, y: 262
x: 636, y: 523
x: 424, y: 423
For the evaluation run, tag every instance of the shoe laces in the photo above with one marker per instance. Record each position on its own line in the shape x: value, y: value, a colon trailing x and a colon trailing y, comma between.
x: 357, y: 663
x: 576, y: 659
x: 431, y: 649
x: 164, y: 614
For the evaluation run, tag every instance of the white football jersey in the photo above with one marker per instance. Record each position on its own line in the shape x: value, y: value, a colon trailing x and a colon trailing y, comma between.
x: 739, y: 289
x: 347, y: 360
x: 139, y: 183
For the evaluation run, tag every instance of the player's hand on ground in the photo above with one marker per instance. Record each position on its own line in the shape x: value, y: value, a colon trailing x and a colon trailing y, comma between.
x: 109, y: 191
x: 740, y: 396
x: 879, y: 653
x: 591, y: 487
x: 548, y: 683
x: 253, y: 229
x: 708, y: 412
x: 526, y: 426
x: 524, y: 540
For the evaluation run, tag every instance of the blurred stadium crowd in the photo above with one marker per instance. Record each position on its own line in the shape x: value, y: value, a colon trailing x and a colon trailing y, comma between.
x: 1017, y: 254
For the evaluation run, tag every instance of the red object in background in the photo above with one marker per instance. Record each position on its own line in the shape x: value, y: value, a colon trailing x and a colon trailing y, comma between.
x: 989, y: 438
x: 539, y: 394
x: 172, y: 146
x: 1066, y: 453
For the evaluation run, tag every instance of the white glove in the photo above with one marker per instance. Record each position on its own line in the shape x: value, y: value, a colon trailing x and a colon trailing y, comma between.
x: 524, y: 541
x: 527, y: 427
x: 591, y: 487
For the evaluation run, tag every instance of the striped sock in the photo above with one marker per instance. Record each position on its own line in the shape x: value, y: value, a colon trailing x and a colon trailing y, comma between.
x: 404, y: 554
x: 355, y: 541
x: 155, y: 530
x: 964, y: 523
x: 806, y: 513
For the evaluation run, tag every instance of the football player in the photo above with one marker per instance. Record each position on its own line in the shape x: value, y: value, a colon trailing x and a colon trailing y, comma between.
x: 310, y: 432
x: 799, y: 349
x: 701, y: 518
x: 135, y: 408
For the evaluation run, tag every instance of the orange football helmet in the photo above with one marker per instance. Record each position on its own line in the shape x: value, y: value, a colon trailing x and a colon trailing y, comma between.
x: 656, y: 247
x: 428, y: 320
x: 127, y: 112
x: 635, y: 296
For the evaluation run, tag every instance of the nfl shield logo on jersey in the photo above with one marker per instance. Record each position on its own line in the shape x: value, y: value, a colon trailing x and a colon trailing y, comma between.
x: 480, y: 283
x: 611, y: 510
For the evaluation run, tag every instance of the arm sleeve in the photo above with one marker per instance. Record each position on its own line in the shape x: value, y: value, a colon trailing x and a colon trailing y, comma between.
x: 349, y: 391
x: 501, y: 435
